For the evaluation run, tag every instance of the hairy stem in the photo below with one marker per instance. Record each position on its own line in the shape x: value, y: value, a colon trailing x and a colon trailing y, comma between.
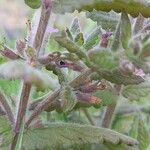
x: 110, y: 110
x: 25, y: 93
x: 52, y: 96
x: 7, y: 108
x: 108, y: 116
x: 45, y: 15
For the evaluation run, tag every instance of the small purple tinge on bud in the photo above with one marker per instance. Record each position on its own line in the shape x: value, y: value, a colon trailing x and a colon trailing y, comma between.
x: 52, y: 30
x: 139, y: 72
x: 9, y: 53
x: 105, y: 38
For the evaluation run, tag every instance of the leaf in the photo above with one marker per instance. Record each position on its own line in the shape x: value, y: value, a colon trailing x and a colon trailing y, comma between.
x: 145, y: 50
x: 134, y: 127
x: 68, y: 98
x: 75, y: 27
x: 122, y: 123
x: 116, y: 39
x: 92, y: 39
x: 9, y: 87
x: 65, y: 135
x: 69, y: 34
x: 132, y: 7
x: 143, y: 136
x: 107, y: 96
x: 71, y: 46
x: 125, y: 29
x: 135, y: 92
x: 5, y: 132
x: 33, y: 3
x: 102, y: 58
x: 105, y: 20
x: 18, y: 70
x: 57, y: 71
x: 79, y: 39
x: 2, y: 60
x: 116, y: 76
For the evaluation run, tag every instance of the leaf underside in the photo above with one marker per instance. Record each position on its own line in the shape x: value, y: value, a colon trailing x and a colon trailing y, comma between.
x: 132, y: 7
x: 66, y: 135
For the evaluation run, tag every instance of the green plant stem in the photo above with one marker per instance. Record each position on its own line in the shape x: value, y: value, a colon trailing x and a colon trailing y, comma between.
x: 88, y: 116
x: 7, y: 108
x: 52, y: 96
x: 25, y: 93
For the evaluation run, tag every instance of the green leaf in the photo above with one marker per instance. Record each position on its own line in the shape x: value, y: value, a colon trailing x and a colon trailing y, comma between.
x: 92, y: 39
x: 57, y: 71
x: 125, y: 29
x: 69, y: 34
x: 5, y: 132
x: 65, y: 135
x: 106, y: 20
x: 71, y: 47
x: 103, y: 58
x: 18, y: 70
x: 122, y: 123
x: 68, y: 98
x: 145, y: 50
x: 143, y: 136
x: 107, y: 96
x: 33, y: 3
x: 134, y: 127
x: 75, y: 27
x: 118, y: 77
x: 132, y: 7
x: 116, y: 39
x: 2, y: 60
x: 9, y: 87
x: 135, y: 92
x: 79, y: 39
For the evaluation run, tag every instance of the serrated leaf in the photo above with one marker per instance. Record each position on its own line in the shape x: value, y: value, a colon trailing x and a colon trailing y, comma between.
x: 68, y: 98
x: 125, y: 29
x: 19, y: 70
x: 92, y: 39
x: 33, y: 3
x: 132, y: 7
x: 135, y: 92
x: 143, y: 136
x: 118, y: 77
x: 105, y: 20
x: 65, y: 135
x: 79, y: 39
x: 102, y: 58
